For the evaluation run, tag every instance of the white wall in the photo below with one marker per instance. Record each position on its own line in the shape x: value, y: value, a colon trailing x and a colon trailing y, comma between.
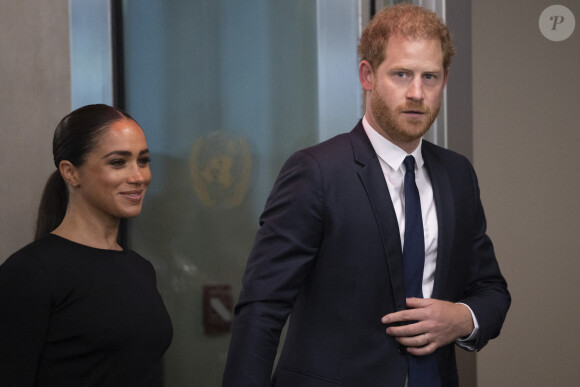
x: 34, y: 95
x: 526, y: 139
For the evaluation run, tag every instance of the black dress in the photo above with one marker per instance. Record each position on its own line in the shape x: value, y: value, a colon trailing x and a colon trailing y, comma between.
x: 73, y: 315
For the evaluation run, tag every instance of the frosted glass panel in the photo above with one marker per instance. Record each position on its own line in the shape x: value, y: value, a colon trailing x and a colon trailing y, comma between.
x: 225, y: 91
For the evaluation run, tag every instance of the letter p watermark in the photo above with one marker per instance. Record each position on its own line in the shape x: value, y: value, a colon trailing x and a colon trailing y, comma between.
x: 557, y: 23
x: 557, y: 20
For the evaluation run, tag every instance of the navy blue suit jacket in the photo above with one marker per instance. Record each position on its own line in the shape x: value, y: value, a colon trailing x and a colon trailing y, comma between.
x: 328, y: 253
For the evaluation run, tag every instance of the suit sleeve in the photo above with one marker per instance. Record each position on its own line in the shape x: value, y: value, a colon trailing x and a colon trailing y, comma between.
x: 285, y: 248
x: 24, y: 320
x: 487, y: 293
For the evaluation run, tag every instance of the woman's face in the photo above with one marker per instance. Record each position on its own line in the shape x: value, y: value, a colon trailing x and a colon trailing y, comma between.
x: 113, y: 180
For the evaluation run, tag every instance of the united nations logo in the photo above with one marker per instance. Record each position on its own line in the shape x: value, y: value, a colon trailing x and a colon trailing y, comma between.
x: 221, y: 166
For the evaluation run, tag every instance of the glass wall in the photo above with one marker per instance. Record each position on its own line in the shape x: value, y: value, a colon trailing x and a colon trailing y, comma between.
x: 225, y: 91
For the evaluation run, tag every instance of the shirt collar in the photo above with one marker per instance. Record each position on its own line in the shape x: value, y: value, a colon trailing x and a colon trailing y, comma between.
x: 389, y: 152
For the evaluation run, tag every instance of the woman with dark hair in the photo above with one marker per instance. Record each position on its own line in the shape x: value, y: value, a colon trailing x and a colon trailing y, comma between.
x: 76, y: 308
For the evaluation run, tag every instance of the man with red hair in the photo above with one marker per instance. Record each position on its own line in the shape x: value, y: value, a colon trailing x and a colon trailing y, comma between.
x: 373, y: 242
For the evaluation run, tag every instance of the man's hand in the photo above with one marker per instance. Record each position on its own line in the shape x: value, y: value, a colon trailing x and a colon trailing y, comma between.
x: 435, y: 323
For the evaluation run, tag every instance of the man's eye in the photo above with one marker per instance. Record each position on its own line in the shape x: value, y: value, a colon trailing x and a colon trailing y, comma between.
x: 401, y: 74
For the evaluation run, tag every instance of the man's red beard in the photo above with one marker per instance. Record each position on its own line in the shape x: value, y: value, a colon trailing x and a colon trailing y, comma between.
x: 395, y: 125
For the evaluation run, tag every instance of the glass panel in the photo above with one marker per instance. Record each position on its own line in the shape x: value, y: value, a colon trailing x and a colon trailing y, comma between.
x: 225, y: 91
x: 90, y: 52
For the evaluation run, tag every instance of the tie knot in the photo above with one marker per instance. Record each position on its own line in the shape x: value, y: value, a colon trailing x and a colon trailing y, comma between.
x: 409, y: 164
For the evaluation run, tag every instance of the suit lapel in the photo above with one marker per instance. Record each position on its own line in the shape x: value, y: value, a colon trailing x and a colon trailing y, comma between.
x: 443, y: 197
x: 373, y: 180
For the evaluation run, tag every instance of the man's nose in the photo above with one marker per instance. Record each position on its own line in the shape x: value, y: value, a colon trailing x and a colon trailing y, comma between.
x: 415, y: 91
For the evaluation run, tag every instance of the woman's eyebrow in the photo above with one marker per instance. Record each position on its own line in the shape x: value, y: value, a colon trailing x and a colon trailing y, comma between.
x: 125, y: 153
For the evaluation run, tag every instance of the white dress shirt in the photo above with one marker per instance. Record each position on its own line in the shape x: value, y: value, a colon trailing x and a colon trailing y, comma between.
x: 391, y: 159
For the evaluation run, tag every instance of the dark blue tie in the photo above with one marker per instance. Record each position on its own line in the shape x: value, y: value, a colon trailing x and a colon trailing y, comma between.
x: 422, y: 369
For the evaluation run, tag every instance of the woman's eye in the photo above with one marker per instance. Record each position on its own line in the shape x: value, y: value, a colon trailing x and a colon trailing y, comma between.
x: 144, y: 160
x: 117, y: 162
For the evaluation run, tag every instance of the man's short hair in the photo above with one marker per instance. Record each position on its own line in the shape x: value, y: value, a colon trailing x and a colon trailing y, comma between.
x: 405, y: 20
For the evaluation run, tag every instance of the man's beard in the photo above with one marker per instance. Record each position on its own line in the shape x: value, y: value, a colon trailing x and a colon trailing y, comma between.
x: 394, y: 125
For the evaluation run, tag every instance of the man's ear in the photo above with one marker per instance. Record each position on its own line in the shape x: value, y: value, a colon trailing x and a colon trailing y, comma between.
x: 366, y: 75
x: 69, y: 173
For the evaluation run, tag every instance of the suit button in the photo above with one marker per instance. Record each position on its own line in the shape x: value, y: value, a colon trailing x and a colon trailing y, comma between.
x: 402, y: 350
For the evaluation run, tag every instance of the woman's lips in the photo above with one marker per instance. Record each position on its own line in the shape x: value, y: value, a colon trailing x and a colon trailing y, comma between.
x: 134, y: 196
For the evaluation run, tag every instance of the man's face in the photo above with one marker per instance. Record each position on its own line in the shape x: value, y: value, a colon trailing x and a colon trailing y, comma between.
x: 406, y: 90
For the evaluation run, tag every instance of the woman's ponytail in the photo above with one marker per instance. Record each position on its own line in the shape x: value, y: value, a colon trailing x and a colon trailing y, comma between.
x: 52, y: 205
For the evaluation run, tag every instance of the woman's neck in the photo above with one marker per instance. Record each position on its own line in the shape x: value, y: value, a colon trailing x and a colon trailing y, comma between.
x: 90, y: 231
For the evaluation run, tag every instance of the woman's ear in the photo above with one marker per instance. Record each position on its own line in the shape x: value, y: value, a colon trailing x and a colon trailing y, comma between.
x: 69, y: 173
